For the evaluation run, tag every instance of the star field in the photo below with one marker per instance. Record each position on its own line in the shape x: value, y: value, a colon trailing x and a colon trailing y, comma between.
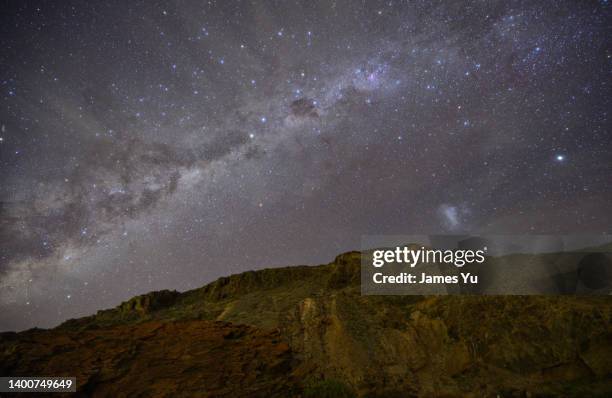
x: 161, y: 145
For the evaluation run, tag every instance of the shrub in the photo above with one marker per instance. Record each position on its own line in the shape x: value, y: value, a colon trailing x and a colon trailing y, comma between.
x: 328, y: 389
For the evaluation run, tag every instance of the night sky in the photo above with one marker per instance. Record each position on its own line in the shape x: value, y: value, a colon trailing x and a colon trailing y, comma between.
x: 160, y: 145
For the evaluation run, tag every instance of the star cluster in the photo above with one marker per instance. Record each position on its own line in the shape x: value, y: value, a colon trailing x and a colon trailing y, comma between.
x: 152, y: 145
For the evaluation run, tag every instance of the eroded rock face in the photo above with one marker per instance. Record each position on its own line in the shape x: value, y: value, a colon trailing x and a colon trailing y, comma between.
x: 150, y: 302
x: 456, y: 346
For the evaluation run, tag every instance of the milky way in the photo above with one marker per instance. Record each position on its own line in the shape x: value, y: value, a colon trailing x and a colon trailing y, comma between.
x: 150, y: 145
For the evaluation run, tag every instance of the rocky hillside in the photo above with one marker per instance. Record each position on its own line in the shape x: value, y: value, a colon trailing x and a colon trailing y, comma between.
x: 182, y: 358
x: 307, y: 331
